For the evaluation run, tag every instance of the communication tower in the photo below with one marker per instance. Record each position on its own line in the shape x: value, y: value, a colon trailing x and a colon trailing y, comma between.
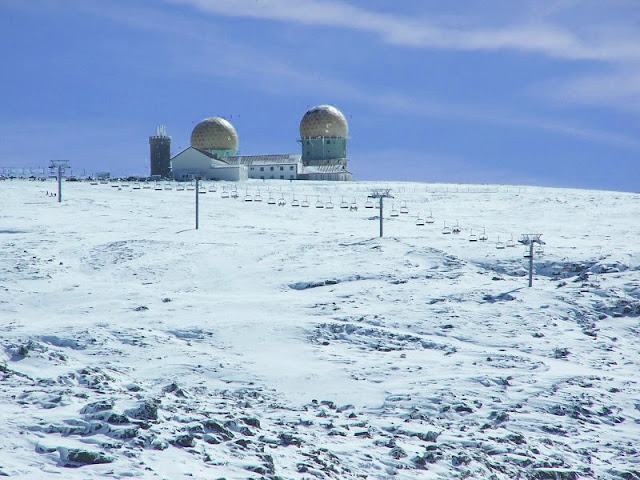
x: 160, y: 145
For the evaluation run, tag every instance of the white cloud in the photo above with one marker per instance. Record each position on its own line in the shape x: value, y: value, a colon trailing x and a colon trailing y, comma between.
x: 619, y: 89
x: 424, y: 32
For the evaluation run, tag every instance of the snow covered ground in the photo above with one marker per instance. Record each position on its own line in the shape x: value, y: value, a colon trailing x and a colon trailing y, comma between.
x: 283, y: 342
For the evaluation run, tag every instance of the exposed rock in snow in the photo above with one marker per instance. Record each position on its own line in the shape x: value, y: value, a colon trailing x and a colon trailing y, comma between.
x: 293, y: 343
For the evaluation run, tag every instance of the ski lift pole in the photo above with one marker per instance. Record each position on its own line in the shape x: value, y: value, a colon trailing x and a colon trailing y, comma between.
x: 197, y: 199
x: 59, y: 166
x: 381, y: 199
x: 59, y: 183
x: 529, y: 239
x: 531, y: 264
x: 381, y: 194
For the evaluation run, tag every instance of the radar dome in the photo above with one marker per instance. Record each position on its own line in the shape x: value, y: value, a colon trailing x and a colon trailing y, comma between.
x: 214, y: 133
x: 323, y: 121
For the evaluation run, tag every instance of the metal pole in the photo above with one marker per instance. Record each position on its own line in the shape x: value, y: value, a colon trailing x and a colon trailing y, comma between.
x: 381, y: 198
x: 197, y: 195
x: 531, y: 264
x: 59, y: 183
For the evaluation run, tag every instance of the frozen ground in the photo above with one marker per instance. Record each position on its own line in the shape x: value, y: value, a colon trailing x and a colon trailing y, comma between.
x: 281, y: 342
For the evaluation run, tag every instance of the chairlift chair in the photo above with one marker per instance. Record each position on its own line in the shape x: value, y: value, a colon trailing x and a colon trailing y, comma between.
x: 511, y: 243
x: 282, y: 202
x: 354, y: 206
x: 305, y: 203
x: 394, y: 212
x: 225, y: 193
x: 167, y: 186
x: 257, y: 197
x: 202, y: 190
x: 419, y: 221
x: 344, y: 204
x: 527, y: 253
x: 319, y: 203
x: 295, y: 202
x: 328, y: 205
x: 212, y: 188
x: 271, y: 200
x: 500, y: 245
x: 247, y: 196
x: 180, y: 187
x: 429, y: 219
x: 403, y: 208
x: 539, y: 249
x: 158, y: 187
x: 191, y: 186
x: 456, y: 228
x: 234, y: 193
x: 446, y: 230
x: 368, y: 203
x: 484, y: 237
x: 146, y: 186
x: 136, y: 186
x: 473, y: 237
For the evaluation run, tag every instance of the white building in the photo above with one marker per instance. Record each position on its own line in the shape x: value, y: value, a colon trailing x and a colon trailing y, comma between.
x: 269, y: 167
x: 195, y: 162
x: 213, y: 153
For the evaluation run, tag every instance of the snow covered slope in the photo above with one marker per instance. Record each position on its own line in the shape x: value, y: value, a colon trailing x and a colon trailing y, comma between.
x: 284, y: 342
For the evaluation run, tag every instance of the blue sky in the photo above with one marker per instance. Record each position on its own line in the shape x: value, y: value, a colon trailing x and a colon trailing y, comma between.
x: 504, y: 91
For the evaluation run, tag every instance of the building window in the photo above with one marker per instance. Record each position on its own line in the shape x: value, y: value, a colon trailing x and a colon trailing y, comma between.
x: 262, y: 177
x: 251, y: 168
x: 262, y: 169
x: 281, y: 177
x: 281, y: 168
x: 271, y: 176
x: 271, y: 168
x: 328, y: 142
x: 291, y: 167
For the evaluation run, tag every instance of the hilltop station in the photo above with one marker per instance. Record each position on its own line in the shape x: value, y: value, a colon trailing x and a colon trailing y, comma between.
x: 213, y: 153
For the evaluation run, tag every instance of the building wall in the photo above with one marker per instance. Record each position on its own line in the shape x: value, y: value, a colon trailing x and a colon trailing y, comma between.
x: 319, y: 176
x: 191, y: 162
x: 276, y: 171
x: 231, y: 173
x: 323, y: 148
x: 188, y: 163
x: 160, y: 147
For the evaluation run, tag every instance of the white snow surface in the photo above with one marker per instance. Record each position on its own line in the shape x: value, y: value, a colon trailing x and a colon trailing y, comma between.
x: 282, y: 342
